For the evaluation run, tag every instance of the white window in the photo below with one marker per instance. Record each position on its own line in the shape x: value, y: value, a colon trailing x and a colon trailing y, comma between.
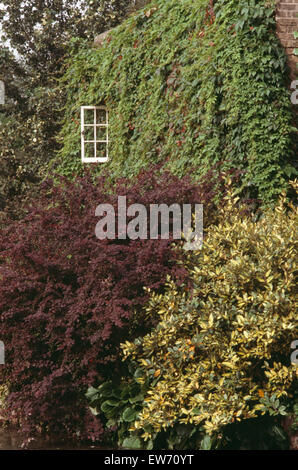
x: 94, y: 134
x: 2, y: 92
x: 294, y: 97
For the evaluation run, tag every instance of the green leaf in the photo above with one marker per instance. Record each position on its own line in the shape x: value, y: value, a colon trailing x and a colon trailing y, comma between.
x: 112, y: 402
x: 106, y: 389
x: 138, y: 373
x: 105, y: 407
x: 129, y: 415
x: 149, y: 445
x: 137, y: 398
x: 92, y: 393
x: 125, y: 393
x: 206, y: 443
x: 132, y: 443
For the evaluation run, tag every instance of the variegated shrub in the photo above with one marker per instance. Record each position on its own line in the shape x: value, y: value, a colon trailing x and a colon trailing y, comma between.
x: 221, y: 353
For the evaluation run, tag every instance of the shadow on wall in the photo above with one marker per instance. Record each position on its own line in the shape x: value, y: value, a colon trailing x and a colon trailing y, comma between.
x: 134, y: 6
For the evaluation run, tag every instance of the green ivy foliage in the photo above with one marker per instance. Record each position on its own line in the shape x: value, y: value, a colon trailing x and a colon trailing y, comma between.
x: 188, y: 83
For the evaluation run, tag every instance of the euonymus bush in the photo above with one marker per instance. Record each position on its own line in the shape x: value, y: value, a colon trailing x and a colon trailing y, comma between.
x: 220, y: 354
x: 189, y: 84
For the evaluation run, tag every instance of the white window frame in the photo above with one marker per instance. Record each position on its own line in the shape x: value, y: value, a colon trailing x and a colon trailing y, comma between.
x: 2, y: 92
x: 95, y: 141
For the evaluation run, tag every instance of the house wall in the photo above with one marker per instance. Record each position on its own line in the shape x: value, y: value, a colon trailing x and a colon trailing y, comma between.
x: 287, y: 23
x: 138, y: 4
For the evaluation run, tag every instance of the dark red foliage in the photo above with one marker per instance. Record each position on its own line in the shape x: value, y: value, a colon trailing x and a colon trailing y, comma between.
x: 67, y: 299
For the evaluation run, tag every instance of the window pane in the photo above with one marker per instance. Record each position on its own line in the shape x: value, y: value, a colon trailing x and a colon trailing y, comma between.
x: 101, y: 116
x: 101, y: 150
x: 88, y: 133
x: 2, y: 92
x: 89, y: 150
x: 89, y: 116
x: 101, y: 133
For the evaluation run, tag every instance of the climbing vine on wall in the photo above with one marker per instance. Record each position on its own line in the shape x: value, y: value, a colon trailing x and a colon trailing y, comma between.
x: 190, y: 83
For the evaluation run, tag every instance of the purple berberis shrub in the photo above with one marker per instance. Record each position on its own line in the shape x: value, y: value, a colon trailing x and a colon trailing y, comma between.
x: 67, y: 299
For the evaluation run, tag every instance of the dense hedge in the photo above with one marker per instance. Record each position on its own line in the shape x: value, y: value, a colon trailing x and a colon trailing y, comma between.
x: 67, y: 299
x: 189, y: 83
x: 221, y: 354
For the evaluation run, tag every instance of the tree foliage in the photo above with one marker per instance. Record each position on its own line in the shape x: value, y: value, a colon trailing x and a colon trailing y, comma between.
x: 39, y: 32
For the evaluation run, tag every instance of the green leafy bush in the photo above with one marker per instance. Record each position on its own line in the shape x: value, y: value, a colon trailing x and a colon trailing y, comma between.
x: 222, y: 351
x: 191, y: 85
x: 120, y: 404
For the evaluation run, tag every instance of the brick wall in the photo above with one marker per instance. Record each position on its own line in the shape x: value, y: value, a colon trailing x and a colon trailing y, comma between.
x: 287, y: 23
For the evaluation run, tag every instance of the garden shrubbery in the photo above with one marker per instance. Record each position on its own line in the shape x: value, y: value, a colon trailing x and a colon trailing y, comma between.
x: 220, y: 354
x: 138, y: 340
x: 67, y: 299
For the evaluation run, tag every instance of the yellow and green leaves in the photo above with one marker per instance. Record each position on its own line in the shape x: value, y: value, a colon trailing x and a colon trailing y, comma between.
x: 221, y: 353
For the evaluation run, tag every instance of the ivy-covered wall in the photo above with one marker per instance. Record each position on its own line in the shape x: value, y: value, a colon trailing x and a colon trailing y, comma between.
x: 192, y: 83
